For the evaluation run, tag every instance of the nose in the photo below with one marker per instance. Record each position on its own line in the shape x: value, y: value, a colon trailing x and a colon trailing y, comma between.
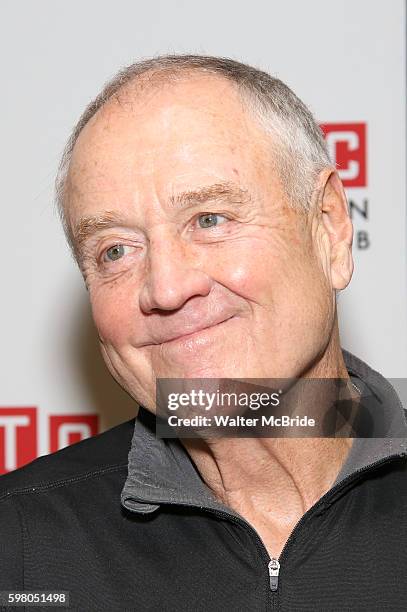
x: 172, y: 274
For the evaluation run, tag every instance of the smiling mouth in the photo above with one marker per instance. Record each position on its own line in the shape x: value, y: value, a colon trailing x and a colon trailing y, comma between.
x: 196, y: 332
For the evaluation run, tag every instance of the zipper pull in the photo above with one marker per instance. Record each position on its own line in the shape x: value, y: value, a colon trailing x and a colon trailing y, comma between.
x: 274, y: 568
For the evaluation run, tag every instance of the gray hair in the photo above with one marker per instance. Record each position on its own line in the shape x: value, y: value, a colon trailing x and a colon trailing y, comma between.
x: 298, y: 140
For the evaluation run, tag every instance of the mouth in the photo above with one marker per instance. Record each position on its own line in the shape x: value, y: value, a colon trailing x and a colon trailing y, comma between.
x: 186, y: 337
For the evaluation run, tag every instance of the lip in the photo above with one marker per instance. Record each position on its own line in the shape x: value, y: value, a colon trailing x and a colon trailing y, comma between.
x: 197, y: 332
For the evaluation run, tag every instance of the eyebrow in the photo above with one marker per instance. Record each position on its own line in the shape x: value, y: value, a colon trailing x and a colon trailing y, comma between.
x: 219, y: 192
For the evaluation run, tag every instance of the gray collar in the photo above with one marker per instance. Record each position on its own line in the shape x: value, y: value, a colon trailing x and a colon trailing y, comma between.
x: 161, y: 471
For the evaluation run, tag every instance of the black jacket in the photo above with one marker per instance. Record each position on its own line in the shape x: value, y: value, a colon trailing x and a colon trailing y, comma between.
x: 123, y: 521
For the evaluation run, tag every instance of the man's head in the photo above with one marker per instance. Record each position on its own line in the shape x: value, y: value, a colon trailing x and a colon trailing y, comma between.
x: 197, y: 193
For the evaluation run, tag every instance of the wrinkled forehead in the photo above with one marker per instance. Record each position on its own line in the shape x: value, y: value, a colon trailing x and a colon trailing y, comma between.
x: 172, y: 133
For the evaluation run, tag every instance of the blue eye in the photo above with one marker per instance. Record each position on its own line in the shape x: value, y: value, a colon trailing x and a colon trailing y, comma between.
x: 209, y: 220
x: 115, y: 252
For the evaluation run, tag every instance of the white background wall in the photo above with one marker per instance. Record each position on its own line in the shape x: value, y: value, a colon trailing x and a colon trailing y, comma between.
x: 345, y: 59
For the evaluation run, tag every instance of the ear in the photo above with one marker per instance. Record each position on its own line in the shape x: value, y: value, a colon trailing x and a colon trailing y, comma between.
x: 338, y: 225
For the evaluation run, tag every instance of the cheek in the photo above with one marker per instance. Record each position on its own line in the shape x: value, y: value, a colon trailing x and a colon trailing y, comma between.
x: 281, y: 276
x: 256, y: 271
x: 242, y: 267
x: 113, y: 312
x: 245, y: 278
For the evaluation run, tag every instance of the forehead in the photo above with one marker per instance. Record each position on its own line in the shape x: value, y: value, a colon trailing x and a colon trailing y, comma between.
x: 174, y: 134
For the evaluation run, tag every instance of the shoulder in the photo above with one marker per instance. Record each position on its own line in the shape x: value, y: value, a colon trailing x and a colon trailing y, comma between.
x: 36, y: 497
x: 94, y: 456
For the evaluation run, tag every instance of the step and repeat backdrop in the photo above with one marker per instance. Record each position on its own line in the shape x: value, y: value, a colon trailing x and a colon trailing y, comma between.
x: 346, y: 60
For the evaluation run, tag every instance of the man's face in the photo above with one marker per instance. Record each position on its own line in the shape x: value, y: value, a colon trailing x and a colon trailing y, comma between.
x: 203, y: 270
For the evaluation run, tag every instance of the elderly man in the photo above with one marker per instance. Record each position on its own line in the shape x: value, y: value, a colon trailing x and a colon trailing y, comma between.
x: 212, y: 232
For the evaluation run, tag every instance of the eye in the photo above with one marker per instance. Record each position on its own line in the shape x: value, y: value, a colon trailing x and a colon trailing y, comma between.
x: 210, y: 220
x: 115, y: 252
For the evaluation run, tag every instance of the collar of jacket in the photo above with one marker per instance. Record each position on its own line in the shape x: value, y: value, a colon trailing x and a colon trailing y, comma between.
x: 160, y: 471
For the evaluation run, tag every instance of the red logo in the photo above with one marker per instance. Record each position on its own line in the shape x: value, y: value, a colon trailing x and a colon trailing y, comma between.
x: 347, y: 148
x: 18, y: 434
x: 71, y: 428
x: 18, y: 437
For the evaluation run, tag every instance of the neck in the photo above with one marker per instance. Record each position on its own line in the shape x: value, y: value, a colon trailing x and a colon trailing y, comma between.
x: 272, y: 482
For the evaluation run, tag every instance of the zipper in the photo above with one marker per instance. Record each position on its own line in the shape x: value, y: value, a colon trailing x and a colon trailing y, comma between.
x: 273, y: 563
x: 274, y: 569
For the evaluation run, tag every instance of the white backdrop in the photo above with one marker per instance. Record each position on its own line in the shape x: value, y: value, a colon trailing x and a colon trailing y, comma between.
x: 345, y: 59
